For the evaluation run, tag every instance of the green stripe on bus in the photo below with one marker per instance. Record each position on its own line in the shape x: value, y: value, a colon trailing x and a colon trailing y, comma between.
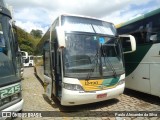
x: 110, y: 82
x: 132, y: 60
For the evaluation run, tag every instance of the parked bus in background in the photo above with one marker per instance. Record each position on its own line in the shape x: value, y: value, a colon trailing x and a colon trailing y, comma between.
x: 142, y: 66
x: 10, y: 80
x: 24, y: 54
x: 83, y: 60
x: 29, y: 61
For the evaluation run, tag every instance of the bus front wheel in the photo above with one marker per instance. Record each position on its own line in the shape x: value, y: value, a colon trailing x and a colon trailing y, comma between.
x: 30, y: 65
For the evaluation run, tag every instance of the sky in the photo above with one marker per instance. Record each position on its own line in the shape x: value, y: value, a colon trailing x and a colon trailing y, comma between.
x: 40, y: 14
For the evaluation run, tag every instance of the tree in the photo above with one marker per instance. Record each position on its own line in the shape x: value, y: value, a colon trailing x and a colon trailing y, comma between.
x: 26, y: 41
x: 36, y: 33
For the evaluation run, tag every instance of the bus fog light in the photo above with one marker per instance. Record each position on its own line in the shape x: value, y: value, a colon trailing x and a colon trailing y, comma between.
x: 121, y: 82
x: 74, y: 87
x: 14, y: 97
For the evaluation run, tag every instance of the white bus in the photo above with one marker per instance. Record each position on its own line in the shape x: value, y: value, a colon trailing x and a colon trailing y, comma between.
x: 10, y: 65
x: 83, y: 60
x: 29, y: 61
x: 24, y: 54
x: 143, y: 66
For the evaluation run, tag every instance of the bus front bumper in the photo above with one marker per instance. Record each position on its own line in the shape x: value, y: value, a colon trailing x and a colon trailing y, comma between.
x: 16, y: 107
x: 71, y: 98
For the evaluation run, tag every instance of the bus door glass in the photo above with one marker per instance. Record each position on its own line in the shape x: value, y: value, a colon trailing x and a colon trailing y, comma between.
x: 47, y: 70
x: 58, y: 74
x: 56, y: 63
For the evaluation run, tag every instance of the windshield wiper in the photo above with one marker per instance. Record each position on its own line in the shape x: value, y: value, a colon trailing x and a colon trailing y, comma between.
x: 109, y: 62
x: 92, y: 69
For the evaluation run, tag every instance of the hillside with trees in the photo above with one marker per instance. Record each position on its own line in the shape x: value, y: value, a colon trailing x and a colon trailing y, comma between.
x: 28, y: 41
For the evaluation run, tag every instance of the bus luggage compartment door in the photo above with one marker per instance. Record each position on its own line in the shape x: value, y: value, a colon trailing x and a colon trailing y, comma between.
x: 154, y: 73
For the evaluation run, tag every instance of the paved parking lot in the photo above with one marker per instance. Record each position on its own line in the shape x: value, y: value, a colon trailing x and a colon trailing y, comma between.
x: 35, y: 100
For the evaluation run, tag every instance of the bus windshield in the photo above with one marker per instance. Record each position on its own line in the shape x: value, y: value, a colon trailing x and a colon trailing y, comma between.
x: 7, y: 67
x: 92, y: 55
x: 88, y: 25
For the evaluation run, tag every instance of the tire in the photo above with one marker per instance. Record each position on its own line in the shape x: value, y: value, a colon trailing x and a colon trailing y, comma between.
x: 30, y: 65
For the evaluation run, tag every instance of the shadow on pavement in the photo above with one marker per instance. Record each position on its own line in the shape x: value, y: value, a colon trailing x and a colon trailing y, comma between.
x: 39, y: 80
x: 78, y: 108
x: 98, y: 106
x: 143, y: 96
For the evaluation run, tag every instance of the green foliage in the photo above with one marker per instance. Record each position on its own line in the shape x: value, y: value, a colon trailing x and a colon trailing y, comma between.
x: 36, y: 33
x: 26, y: 41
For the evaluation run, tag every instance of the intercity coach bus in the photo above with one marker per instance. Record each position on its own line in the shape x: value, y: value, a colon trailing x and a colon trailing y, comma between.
x: 83, y: 60
x: 10, y: 64
x: 29, y: 61
x: 143, y: 65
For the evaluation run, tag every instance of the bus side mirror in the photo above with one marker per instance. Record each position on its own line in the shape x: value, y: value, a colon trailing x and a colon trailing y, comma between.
x: 61, y: 37
x: 153, y: 38
x: 128, y: 43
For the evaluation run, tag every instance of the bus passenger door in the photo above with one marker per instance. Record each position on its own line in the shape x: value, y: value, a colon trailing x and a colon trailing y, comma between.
x: 53, y: 69
x: 56, y: 72
x: 47, y: 70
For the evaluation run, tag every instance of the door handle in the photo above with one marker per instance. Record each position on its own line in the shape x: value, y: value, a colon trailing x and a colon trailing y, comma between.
x: 145, y: 78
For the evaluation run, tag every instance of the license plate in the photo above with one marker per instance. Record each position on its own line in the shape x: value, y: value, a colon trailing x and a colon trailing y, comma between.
x: 102, y: 95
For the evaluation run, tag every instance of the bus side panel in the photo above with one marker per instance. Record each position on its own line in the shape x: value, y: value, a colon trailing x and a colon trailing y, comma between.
x: 137, y: 69
x: 139, y: 79
x: 155, y: 79
x: 146, y: 78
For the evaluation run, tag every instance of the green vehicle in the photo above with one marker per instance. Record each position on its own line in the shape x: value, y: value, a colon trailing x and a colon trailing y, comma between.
x: 143, y: 65
x: 10, y: 64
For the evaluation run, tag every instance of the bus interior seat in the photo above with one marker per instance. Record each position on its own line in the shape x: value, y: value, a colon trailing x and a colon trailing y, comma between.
x: 79, y: 60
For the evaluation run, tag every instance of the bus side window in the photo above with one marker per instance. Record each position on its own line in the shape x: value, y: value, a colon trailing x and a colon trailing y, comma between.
x: 27, y: 60
x: 2, y: 43
x: 149, y: 31
x: 153, y: 38
x: 53, y: 59
x: 31, y: 58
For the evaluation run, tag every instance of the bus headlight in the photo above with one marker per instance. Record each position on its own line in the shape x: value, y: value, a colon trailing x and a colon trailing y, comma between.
x: 74, y: 87
x: 121, y: 82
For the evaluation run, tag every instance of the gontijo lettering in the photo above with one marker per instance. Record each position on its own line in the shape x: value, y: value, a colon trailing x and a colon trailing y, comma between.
x: 91, y: 83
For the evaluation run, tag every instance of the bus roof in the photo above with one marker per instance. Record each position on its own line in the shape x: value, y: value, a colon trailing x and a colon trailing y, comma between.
x: 144, y: 16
